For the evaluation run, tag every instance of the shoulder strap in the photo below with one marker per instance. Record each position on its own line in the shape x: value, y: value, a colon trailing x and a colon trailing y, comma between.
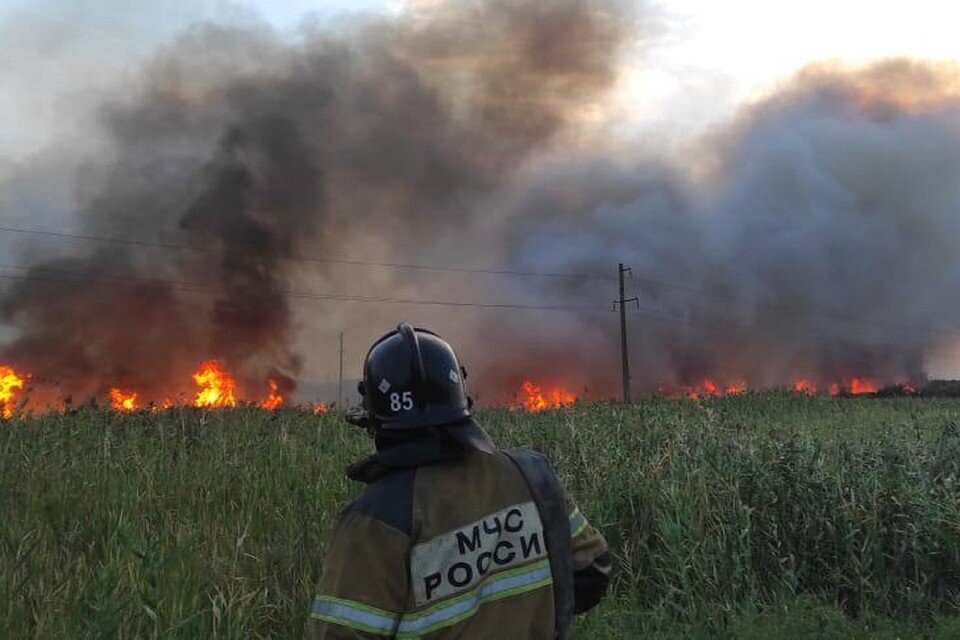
x: 551, y: 500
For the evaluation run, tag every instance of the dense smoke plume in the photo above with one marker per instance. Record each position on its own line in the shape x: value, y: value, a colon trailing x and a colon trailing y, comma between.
x: 390, y: 132
x: 814, y: 236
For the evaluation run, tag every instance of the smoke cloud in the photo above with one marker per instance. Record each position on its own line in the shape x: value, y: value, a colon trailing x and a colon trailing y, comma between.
x: 814, y: 236
x: 384, y: 137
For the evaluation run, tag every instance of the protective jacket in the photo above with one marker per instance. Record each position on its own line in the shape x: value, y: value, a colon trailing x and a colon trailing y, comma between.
x: 451, y: 539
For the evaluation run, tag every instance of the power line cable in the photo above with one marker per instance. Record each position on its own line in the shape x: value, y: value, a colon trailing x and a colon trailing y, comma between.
x: 744, y: 302
x: 656, y: 314
x: 771, y: 305
x: 648, y: 313
x: 186, y: 287
x: 74, y: 278
x: 457, y: 269
x: 313, y: 259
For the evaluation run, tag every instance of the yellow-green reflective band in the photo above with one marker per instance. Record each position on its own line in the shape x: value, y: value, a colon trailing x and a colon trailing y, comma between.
x: 577, y: 523
x: 355, y: 615
x: 494, y: 587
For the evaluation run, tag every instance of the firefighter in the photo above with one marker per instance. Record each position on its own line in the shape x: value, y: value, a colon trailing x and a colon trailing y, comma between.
x: 451, y: 537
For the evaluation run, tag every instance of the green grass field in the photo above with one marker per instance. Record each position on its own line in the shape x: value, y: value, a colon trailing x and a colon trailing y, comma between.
x: 741, y: 517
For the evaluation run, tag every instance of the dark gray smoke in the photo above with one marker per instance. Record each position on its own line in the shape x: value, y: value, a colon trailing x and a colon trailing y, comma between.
x: 390, y: 134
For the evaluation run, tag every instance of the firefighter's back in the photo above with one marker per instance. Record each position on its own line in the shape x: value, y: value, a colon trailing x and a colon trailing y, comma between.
x: 478, y: 560
x: 450, y: 549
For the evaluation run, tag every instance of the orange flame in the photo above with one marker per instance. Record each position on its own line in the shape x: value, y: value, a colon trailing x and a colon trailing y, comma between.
x: 705, y: 388
x: 216, y: 386
x: 123, y: 400
x: 10, y: 384
x: 855, y: 387
x: 711, y: 388
x: 805, y: 386
x: 534, y: 398
x: 274, y: 399
x: 320, y: 408
x: 860, y: 386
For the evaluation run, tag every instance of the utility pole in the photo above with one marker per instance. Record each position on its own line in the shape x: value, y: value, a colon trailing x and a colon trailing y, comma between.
x: 340, y: 383
x: 624, y: 352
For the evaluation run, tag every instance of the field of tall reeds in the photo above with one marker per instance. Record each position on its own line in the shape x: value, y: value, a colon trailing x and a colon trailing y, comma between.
x: 746, y: 516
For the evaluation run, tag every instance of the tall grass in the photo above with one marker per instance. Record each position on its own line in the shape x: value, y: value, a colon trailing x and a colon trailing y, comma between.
x: 728, y: 517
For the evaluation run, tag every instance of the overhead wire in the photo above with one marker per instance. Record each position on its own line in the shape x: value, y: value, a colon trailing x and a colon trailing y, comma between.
x: 694, y: 291
x: 192, y: 287
x: 751, y: 303
x: 752, y: 330
x: 306, y: 258
x: 74, y: 277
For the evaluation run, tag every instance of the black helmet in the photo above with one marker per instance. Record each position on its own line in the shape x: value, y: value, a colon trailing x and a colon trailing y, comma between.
x: 411, y: 380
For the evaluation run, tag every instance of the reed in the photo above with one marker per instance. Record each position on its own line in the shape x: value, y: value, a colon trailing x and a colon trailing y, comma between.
x: 741, y: 516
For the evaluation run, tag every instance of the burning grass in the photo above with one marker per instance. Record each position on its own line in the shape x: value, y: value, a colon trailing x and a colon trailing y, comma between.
x: 11, y: 384
x: 216, y: 389
x: 123, y: 400
x: 535, y: 397
x: 274, y: 399
x: 850, y: 386
x: 737, y: 516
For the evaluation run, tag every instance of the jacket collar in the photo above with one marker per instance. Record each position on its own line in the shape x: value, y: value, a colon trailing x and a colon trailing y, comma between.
x: 422, y: 448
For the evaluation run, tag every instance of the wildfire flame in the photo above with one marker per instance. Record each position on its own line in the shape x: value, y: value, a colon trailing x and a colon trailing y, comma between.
x: 711, y: 388
x: 218, y: 389
x: 216, y: 386
x: 274, y: 399
x: 805, y: 386
x: 11, y: 383
x: 855, y: 386
x: 534, y: 398
x: 736, y: 387
x: 123, y: 400
x: 860, y: 386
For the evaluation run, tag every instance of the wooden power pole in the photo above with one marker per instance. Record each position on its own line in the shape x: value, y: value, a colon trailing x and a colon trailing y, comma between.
x: 624, y: 351
x: 340, y: 383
